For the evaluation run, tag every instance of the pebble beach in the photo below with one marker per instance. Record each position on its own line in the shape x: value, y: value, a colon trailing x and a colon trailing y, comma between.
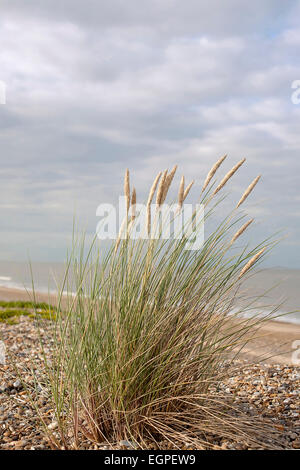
x: 269, y: 388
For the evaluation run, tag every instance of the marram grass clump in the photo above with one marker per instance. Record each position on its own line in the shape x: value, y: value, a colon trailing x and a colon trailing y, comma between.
x: 153, y: 328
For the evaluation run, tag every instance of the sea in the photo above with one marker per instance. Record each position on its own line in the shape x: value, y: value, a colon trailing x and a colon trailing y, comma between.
x: 274, y: 286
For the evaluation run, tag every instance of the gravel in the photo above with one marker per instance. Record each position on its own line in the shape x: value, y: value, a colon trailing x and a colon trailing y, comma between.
x: 270, y: 390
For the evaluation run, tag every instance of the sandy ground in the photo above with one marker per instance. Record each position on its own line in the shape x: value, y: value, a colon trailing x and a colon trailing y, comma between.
x: 8, y: 294
x: 273, y: 342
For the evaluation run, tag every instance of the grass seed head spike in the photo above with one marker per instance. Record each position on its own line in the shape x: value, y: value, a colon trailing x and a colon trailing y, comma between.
x: 248, y: 190
x: 228, y: 176
x: 127, y: 189
x: 241, y: 230
x: 251, y: 262
x: 150, y: 198
x: 153, y: 189
x: 212, y: 172
x: 149, y: 219
x: 187, y: 190
x: 181, y: 192
x: 168, y: 182
x: 161, y: 188
x: 133, y: 203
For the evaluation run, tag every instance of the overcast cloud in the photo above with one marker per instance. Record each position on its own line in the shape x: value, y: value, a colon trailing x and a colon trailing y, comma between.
x: 94, y: 87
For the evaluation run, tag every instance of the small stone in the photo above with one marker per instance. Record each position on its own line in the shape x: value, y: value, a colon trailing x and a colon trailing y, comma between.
x: 296, y: 444
x: 20, y: 444
x: 128, y: 444
x: 17, y: 384
x: 3, y: 388
x: 53, y: 425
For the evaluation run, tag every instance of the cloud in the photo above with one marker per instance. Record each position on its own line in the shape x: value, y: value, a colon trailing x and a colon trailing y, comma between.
x: 168, y: 17
x: 95, y: 87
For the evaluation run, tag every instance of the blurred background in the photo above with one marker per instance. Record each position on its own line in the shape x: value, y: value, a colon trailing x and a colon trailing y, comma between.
x: 94, y: 87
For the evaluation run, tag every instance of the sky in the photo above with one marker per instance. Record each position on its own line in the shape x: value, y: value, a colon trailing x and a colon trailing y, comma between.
x: 94, y: 87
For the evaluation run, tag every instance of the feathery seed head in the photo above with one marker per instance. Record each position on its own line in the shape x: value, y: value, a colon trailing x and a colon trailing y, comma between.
x: 248, y: 191
x: 251, y: 262
x: 240, y: 231
x: 212, y: 172
x: 153, y: 188
x: 181, y: 192
x: 150, y: 198
x: 168, y: 182
x: 127, y: 189
x: 228, y: 176
x: 187, y: 190
x: 161, y: 188
x: 133, y: 197
x: 133, y: 203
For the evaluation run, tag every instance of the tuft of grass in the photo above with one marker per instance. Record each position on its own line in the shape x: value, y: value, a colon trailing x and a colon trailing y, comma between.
x: 151, y: 329
x: 10, y: 311
x: 26, y: 304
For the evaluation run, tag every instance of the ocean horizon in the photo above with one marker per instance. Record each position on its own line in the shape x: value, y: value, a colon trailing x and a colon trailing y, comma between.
x: 276, y: 286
